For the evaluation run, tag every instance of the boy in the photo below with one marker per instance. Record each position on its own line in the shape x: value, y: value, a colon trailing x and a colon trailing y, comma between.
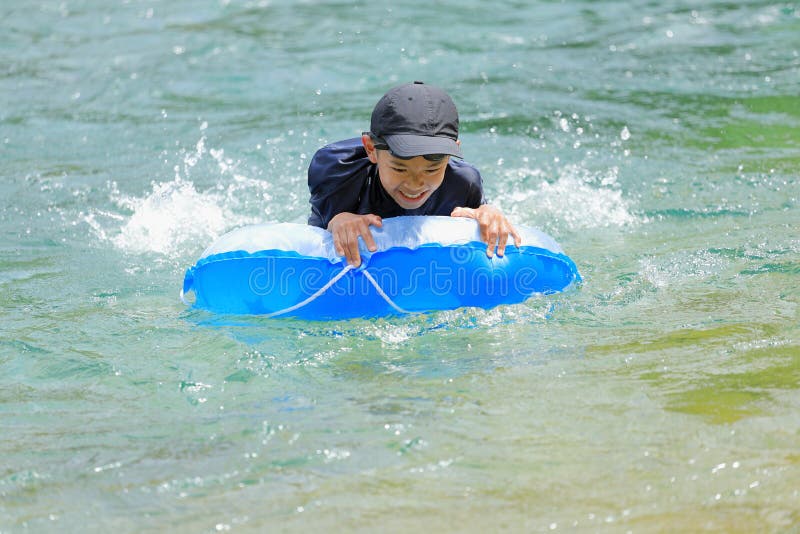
x: 402, y: 166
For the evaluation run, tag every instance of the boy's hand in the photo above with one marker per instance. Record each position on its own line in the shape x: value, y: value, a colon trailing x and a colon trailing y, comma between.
x: 346, y: 228
x: 494, y: 227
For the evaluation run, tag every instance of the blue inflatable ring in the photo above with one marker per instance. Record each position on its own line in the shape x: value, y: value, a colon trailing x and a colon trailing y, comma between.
x: 422, y: 264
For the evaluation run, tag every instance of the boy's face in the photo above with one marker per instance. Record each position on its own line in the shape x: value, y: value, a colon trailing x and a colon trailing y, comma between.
x: 410, y: 182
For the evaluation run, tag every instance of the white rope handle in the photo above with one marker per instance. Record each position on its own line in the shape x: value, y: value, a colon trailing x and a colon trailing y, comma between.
x: 313, y: 297
x: 382, y: 293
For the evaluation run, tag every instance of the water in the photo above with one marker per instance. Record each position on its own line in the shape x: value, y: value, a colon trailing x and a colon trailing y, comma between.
x: 658, y: 142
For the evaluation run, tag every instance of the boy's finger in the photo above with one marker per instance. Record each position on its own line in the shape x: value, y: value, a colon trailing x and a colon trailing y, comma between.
x: 366, y: 233
x: 369, y: 240
x: 485, y: 232
x: 501, y: 244
x: 517, y: 237
x: 463, y: 212
x: 342, y: 245
x: 352, y: 255
x: 337, y: 244
x: 493, y: 237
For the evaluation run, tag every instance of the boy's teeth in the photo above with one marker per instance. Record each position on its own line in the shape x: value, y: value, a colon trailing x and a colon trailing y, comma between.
x: 413, y: 196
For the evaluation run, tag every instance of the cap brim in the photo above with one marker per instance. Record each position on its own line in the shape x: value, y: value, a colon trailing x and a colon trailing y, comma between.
x: 409, y: 146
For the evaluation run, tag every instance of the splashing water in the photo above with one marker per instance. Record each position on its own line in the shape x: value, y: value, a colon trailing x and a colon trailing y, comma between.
x: 577, y: 199
x: 175, y: 216
x: 170, y: 217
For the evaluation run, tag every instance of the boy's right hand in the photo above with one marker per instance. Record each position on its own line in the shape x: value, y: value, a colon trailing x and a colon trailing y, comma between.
x: 346, y: 229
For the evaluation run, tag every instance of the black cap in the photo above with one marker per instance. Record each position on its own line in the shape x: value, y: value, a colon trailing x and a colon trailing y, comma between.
x: 416, y: 119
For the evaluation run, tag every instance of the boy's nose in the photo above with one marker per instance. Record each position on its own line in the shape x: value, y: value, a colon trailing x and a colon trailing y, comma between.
x: 418, y: 179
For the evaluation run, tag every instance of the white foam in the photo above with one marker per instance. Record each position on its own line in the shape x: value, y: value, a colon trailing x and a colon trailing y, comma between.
x: 176, y: 217
x: 172, y: 216
x: 577, y: 199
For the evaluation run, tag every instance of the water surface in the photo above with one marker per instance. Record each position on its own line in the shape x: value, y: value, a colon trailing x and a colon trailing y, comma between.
x: 659, y: 143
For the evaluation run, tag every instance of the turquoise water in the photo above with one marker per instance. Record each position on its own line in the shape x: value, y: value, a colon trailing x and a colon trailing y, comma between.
x: 658, y: 142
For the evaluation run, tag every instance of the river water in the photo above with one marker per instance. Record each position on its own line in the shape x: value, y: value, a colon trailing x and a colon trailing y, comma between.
x: 659, y: 143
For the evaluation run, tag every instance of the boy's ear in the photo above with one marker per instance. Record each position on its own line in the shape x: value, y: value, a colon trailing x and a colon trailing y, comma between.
x: 370, y: 147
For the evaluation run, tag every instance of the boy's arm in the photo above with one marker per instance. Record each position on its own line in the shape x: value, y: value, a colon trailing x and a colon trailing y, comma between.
x: 494, y: 227
x: 336, y: 175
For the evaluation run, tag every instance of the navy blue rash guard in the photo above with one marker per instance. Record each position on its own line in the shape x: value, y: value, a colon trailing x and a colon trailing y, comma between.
x: 342, y: 178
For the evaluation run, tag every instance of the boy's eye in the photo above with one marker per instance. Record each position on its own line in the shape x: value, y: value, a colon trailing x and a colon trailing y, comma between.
x: 398, y: 169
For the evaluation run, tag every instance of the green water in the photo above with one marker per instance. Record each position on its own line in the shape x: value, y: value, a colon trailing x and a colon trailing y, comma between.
x: 659, y: 143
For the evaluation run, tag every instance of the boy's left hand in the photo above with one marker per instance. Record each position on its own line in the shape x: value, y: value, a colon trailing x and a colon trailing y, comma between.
x: 494, y: 227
